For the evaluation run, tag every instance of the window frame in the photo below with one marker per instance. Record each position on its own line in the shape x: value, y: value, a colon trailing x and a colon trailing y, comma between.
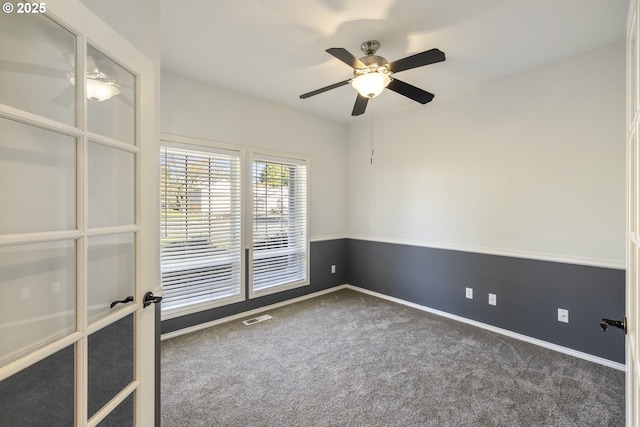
x: 246, y: 157
x: 194, y: 144
x: 259, y: 154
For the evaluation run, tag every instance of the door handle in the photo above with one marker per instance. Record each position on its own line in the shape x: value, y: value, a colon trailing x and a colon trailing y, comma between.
x: 622, y: 324
x: 124, y: 301
x: 149, y: 299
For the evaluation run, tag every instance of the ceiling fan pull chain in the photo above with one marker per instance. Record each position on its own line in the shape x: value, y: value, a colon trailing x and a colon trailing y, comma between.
x: 371, y: 131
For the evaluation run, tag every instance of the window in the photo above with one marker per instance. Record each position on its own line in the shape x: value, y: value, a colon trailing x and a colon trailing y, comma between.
x: 206, y: 227
x: 201, y: 253
x: 279, y: 244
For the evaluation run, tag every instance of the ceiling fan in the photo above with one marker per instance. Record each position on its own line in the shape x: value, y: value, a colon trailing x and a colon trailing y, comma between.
x: 100, y: 85
x: 372, y: 73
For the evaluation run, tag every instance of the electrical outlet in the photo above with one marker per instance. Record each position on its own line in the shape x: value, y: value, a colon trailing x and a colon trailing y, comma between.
x: 25, y: 293
x: 492, y: 299
x: 333, y: 269
x: 563, y: 315
x: 469, y: 293
x: 55, y: 287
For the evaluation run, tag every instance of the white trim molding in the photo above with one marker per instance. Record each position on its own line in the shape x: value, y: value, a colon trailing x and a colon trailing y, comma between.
x: 249, y: 313
x: 328, y: 237
x: 505, y: 332
x: 565, y: 259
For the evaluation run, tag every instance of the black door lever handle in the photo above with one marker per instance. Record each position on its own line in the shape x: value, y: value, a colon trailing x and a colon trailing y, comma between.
x: 124, y: 301
x: 605, y: 323
x: 149, y: 299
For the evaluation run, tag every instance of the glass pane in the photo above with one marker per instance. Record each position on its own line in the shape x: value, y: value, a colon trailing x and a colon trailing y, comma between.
x: 37, y: 65
x: 200, y: 226
x: 122, y: 416
x: 111, y: 93
x: 279, y: 224
x: 110, y: 273
x: 111, y: 186
x: 37, y: 296
x: 37, y: 179
x: 110, y: 362
x: 41, y: 395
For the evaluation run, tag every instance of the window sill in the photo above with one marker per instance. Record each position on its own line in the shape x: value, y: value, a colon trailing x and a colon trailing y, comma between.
x: 277, y: 288
x: 172, y: 313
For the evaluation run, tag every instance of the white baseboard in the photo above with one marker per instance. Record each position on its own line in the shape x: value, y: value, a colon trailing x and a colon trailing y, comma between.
x: 506, y: 332
x: 248, y: 313
x: 525, y: 338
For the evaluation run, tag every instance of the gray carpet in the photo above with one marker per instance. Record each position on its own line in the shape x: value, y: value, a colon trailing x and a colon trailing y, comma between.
x: 349, y: 359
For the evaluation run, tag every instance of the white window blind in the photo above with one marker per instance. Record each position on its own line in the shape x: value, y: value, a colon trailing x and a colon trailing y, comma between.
x: 279, y: 233
x: 200, y: 226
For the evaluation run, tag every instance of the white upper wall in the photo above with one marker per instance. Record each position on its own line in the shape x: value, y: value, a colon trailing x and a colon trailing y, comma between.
x: 531, y: 165
x: 195, y: 109
x: 137, y: 21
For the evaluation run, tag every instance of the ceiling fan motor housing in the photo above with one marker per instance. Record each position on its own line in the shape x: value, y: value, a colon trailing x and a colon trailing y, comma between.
x: 370, y: 47
x: 374, y: 60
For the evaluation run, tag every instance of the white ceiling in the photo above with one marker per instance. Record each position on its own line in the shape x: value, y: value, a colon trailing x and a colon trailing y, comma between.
x: 275, y: 49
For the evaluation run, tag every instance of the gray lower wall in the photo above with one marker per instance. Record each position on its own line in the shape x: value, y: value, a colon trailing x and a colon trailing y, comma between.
x: 529, y: 292
x: 323, y: 254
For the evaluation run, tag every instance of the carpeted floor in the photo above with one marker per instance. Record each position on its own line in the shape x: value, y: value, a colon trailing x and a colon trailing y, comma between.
x: 349, y: 359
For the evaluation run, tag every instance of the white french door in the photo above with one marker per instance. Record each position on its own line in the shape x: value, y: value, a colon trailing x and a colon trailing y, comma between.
x: 78, y: 227
x: 633, y: 226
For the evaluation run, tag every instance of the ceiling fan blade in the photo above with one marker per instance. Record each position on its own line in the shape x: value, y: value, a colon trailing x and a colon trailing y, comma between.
x: 410, y: 91
x: 418, y: 60
x: 346, y: 57
x: 92, y: 67
x: 360, y: 105
x: 33, y: 69
x: 65, y: 98
x: 125, y: 100
x: 324, y: 89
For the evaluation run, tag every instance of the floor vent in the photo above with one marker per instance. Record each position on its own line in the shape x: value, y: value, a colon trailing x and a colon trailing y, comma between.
x: 257, y: 319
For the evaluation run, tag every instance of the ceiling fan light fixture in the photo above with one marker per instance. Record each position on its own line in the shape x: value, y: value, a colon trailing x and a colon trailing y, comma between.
x: 100, y: 91
x: 371, y: 84
x: 97, y: 90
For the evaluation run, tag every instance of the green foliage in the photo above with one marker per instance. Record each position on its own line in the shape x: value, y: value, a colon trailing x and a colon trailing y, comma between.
x: 275, y: 175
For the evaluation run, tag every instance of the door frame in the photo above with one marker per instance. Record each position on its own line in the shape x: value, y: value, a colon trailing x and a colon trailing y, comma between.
x: 89, y: 27
x: 632, y: 323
